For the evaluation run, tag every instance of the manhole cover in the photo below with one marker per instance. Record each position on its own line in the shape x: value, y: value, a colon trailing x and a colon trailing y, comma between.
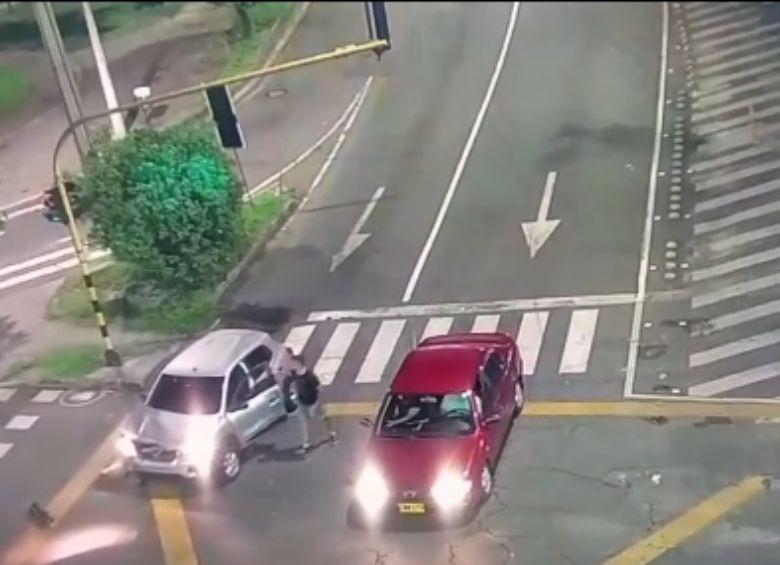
x: 276, y: 93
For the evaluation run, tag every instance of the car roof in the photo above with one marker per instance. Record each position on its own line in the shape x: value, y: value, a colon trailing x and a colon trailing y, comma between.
x: 440, y: 368
x: 215, y: 353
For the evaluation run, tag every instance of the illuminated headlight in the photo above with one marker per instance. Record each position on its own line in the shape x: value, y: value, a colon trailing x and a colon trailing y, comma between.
x: 371, y: 491
x: 199, y: 451
x: 450, y: 490
x: 125, y: 445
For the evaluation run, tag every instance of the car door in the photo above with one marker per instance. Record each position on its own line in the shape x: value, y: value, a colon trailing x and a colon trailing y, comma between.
x: 495, y: 376
x: 238, y: 408
x: 265, y: 395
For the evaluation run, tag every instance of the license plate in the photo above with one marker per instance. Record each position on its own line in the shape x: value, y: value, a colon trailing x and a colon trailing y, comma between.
x: 411, y: 507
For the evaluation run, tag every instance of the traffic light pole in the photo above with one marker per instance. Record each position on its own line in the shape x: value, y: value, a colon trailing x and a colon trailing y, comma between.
x: 112, y: 357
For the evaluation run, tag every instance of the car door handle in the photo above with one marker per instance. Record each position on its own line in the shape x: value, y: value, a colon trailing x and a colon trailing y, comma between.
x: 274, y: 401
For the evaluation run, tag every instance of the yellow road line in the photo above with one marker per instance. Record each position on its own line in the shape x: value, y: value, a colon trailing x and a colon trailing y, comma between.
x: 626, y: 409
x: 174, y: 533
x: 696, y: 519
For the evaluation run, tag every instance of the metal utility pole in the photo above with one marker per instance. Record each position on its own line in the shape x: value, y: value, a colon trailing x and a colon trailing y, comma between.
x: 117, y: 121
x: 52, y: 41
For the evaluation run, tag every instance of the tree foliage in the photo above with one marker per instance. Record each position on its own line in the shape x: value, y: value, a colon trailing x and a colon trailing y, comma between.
x: 166, y: 202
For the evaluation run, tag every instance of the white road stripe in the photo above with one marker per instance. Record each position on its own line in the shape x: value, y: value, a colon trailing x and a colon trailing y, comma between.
x: 735, y: 290
x: 23, y: 211
x: 412, y: 284
x: 50, y: 270
x: 747, y: 315
x: 6, y: 394
x: 45, y: 258
x: 739, y: 105
x: 463, y: 308
x: 742, y: 173
x: 335, y: 350
x: 724, y: 28
x: 733, y: 15
x: 726, y: 93
x: 486, y: 323
x: 5, y: 448
x: 733, y: 348
x: 742, y: 47
x: 702, y: 9
x: 705, y: 165
x: 722, y: 125
x: 298, y: 337
x: 728, y: 243
x: 579, y: 341
x: 380, y: 351
x: 736, y: 380
x: 706, y: 71
x: 737, y: 264
x: 437, y: 326
x: 753, y: 32
x: 728, y: 221
x: 21, y: 422
x: 46, y: 396
x: 529, y: 339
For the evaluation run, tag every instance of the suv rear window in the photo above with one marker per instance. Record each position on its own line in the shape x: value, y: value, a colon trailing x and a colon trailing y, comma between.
x: 187, y: 395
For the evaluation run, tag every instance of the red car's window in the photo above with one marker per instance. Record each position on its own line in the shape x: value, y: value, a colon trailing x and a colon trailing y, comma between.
x: 427, y: 415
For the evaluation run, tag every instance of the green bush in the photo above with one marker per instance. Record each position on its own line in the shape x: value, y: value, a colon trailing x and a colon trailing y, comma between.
x: 14, y: 89
x: 168, y: 203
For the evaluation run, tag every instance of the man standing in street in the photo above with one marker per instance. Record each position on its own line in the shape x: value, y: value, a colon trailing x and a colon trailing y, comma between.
x: 305, y: 384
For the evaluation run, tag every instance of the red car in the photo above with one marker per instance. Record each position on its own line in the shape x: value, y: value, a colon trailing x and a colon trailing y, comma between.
x: 440, y: 431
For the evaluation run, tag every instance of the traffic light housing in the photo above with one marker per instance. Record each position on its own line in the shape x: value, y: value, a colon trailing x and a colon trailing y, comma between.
x: 223, y: 114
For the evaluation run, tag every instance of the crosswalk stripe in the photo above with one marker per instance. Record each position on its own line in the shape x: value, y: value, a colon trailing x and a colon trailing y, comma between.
x: 6, y: 394
x: 486, y: 323
x: 753, y: 32
x: 736, y: 264
x: 711, y: 128
x: 733, y: 348
x: 731, y: 319
x: 529, y: 339
x: 728, y: 243
x: 380, y: 351
x: 703, y: 228
x: 579, y: 341
x: 724, y: 28
x: 736, y: 380
x: 695, y: 11
x: 49, y: 270
x: 742, y: 47
x: 717, y: 68
x: 335, y: 350
x: 437, y: 326
x: 705, y: 165
x: 742, y: 173
x: 46, y: 396
x: 299, y: 337
x: 5, y: 448
x: 21, y: 422
x: 732, y: 15
x: 743, y: 104
x: 705, y: 99
x: 46, y: 257
x: 735, y: 290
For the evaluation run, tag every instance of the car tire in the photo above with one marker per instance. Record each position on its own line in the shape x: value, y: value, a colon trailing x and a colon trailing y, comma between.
x: 519, y: 393
x: 227, y: 464
x: 486, y: 481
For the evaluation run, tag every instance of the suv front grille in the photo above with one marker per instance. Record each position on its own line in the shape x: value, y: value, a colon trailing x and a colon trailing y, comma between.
x: 153, y: 452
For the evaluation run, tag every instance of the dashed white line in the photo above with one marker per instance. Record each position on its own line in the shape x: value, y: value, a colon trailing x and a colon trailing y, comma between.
x: 418, y: 267
x: 21, y: 422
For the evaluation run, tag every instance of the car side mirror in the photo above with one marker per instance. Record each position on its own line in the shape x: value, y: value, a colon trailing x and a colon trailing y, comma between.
x: 493, y: 419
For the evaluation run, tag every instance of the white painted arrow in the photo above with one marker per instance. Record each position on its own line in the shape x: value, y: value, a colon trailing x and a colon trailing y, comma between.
x: 537, y: 232
x: 355, y: 239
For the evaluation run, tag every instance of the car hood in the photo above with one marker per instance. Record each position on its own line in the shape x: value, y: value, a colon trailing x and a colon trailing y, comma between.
x: 170, y: 429
x: 415, y: 463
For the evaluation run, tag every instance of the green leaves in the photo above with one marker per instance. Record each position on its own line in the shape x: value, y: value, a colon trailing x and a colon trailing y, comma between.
x: 166, y: 202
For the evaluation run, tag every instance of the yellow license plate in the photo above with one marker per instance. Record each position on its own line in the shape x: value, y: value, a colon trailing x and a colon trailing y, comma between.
x: 411, y: 507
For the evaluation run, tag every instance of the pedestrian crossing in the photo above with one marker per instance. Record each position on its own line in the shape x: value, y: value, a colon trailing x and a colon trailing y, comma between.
x: 369, y: 351
x: 45, y: 266
x: 732, y: 57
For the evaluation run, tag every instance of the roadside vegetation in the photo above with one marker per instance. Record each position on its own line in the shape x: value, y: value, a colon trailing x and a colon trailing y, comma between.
x: 14, y: 90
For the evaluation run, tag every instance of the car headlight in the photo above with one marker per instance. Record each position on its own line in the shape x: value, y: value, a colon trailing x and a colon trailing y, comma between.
x: 199, y: 451
x: 450, y: 490
x: 371, y: 491
x: 125, y: 445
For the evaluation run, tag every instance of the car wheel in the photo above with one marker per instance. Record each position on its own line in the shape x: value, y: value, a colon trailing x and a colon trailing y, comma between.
x: 486, y: 481
x: 227, y: 465
x: 519, y: 398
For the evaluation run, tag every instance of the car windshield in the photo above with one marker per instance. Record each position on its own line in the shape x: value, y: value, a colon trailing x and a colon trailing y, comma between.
x: 427, y: 415
x: 187, y: 395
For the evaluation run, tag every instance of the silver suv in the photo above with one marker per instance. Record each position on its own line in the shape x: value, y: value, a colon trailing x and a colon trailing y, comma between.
x: 207, y: 405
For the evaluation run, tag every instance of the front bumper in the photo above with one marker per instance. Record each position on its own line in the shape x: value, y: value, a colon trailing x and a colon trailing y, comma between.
x: 402, y: 512
x: 175, y: 468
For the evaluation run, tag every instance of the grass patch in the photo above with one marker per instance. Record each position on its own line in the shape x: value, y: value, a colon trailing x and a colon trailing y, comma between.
x: 18, y: 368
x: 181, y: 314
x: 64, y: 363
x: 243, y: 52
x: 14, y: 89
